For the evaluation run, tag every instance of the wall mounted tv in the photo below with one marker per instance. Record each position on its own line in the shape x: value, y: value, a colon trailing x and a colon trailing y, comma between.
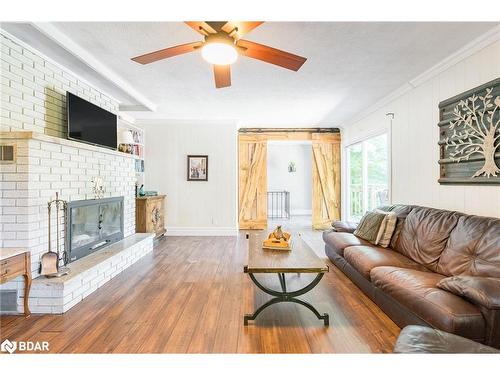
x: 89, y: 123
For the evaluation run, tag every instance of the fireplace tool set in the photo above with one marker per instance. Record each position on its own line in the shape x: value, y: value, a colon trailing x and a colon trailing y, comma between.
x: 50, y: 262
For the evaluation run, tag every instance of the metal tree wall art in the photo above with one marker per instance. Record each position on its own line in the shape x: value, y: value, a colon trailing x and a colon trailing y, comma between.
x: 470, y: 136
x: 475, y: 131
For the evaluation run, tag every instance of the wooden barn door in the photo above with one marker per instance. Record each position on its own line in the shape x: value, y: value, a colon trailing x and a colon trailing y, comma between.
x: 325, y: 179
x: 252, y: 181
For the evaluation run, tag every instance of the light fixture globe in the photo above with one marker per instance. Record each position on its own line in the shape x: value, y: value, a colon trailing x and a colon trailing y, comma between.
x: 219, y: 53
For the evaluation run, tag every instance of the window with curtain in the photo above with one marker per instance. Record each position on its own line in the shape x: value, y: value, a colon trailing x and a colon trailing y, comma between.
x: 368, y: 176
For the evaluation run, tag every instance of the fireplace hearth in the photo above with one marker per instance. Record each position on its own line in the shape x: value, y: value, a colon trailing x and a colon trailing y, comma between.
x: 93, y: 224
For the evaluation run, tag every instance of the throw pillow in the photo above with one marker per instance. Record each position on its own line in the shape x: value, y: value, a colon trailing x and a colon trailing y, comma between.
x: 369, y: 226
x: 387, y: 228
x: 377, y: 227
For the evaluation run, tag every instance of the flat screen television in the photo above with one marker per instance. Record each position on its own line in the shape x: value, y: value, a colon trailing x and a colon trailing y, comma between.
x: 89, y: 123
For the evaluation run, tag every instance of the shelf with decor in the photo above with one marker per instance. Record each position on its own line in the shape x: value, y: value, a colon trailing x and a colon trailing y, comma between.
x: 131, y: 140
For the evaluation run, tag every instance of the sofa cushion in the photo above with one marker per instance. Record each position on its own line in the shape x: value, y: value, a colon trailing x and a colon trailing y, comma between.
x: 417, y: 291
x: 473, y: 248
x: 401, y: 212
x: 365, y: 258
x: 344, y: 226
x: 425, y: 233
x: 483, y: 291
x: 339, y: 241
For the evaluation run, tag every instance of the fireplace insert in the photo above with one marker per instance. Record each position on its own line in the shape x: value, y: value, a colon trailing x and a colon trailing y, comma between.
x: 93, y: 224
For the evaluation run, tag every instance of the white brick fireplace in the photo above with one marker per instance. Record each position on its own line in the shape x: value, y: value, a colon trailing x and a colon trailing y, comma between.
x: 46, y: 165
x: 33, y: 118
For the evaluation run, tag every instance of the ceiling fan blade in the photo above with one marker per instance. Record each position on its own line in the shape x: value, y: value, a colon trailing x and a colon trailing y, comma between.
x: 201, y: 26
x: 271, y: 55
x: 166, y: 52
x: 222, y: 75
x: 238, y: 29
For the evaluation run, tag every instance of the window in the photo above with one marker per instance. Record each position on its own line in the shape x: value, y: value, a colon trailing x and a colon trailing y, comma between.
x: 368, y: 176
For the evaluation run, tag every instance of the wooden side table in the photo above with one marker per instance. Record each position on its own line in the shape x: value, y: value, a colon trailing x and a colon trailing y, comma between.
x: 150, y: 215
x: 15, y: 262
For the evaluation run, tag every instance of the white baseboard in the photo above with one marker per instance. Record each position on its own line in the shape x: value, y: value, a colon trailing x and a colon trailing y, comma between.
x: 201, y: 231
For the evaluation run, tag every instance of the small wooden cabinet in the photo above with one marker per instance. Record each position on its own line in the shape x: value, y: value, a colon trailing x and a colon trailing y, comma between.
x: 150, y: 215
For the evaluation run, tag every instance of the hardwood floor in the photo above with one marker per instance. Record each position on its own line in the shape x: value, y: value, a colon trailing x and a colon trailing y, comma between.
x: 189, y: 296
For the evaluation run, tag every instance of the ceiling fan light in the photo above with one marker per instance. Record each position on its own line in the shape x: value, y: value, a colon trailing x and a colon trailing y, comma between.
x: 219, y: 53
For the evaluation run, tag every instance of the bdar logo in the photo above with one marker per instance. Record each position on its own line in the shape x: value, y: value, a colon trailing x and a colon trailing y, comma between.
x: 8, y: 346
x: 24, y: 346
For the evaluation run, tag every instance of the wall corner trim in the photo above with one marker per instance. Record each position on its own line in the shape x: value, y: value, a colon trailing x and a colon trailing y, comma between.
x: 469, y: 49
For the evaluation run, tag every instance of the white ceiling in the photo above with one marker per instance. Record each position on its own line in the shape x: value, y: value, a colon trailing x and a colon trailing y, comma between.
x: 350, y: 66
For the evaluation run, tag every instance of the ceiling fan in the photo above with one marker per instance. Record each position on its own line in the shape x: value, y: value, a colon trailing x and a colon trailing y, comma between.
x: 221, y: 46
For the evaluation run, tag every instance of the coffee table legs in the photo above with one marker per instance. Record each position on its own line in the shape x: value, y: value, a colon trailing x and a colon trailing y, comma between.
x: 284, y: 296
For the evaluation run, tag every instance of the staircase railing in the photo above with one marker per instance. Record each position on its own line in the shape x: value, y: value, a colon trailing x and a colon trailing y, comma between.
x: 278, y: 204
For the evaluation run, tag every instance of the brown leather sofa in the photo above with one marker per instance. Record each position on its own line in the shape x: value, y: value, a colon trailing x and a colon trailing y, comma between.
x: 459, y: 252
x: 425, y: 340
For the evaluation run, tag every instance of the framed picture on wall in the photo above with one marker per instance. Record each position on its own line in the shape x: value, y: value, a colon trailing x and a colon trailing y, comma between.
x: 197, y: 168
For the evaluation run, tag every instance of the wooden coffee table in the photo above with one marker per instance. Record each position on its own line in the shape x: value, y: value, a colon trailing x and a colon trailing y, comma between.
x: 301, y: 259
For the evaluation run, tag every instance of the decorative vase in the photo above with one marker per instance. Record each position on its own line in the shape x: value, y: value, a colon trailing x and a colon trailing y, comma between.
x: 142, y: 193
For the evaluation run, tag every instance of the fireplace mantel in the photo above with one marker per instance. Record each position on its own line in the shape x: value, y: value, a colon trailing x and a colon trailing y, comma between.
x: 25, y: 135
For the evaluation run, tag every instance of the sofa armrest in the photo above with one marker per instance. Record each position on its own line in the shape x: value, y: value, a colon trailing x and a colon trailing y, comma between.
x: 344, y: 226
x: 420, y: 339
x: 482, y: 291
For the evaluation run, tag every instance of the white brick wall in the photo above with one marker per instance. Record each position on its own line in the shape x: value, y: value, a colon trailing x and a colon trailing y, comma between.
x: 33, y: 91
x: 46, y: 165
x: 51, y: 165
x: 33, y: 99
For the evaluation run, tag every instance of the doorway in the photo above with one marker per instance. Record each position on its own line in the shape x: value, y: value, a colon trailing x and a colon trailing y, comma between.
x: 253, y: 176
x: 289, y: 183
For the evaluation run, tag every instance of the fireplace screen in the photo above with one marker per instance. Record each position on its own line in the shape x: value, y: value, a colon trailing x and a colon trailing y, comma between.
x: 84, y: 225
x: 111, y: 218
x: 93, y: 224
